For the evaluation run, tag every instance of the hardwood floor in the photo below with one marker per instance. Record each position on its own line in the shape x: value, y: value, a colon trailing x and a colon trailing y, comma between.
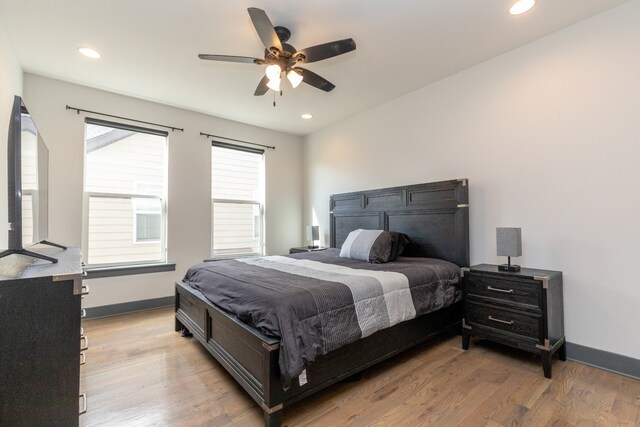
x: 139, y: 372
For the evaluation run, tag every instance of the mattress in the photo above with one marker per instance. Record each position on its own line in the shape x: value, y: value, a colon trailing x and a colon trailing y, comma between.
x: 317, y: 302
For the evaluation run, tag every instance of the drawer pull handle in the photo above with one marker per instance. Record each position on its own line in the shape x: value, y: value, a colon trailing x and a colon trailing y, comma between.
x: 85, y: 347
x: 85, y: 290
x: 83, y: 358
x: 83, y: 313
x: 509, y: 322
x: 83, y: 396
x: 504, y: 291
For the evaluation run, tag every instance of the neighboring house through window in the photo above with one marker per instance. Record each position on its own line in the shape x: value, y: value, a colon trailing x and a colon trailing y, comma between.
x: 148, y: 214
x: 125, y: 194
x: 237, y: 183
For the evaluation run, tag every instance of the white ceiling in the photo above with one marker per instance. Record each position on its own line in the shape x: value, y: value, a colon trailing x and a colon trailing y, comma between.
x: 149, y: 48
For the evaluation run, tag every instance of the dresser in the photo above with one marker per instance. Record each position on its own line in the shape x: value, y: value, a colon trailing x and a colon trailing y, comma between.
x: 521, y: 309
x: 41, y: 342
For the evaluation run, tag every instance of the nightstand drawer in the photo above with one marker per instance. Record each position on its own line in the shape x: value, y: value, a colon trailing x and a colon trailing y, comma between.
x: 522, y: 291
x: 522, y: 324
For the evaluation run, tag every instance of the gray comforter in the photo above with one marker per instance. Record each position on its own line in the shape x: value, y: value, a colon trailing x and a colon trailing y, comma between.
x: 316, y: 302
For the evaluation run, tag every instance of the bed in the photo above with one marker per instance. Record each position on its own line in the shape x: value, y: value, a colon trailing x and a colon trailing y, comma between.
x: 433, y: 215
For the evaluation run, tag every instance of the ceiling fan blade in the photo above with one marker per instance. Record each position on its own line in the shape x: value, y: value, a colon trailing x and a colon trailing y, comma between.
x: 327, y: 50
x: 264, y: 28
x: 230, y: 58
x: 311, y: 78
x: 262, y: 87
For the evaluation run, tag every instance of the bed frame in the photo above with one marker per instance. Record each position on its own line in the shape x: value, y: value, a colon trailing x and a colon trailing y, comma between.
x: 436, y: 218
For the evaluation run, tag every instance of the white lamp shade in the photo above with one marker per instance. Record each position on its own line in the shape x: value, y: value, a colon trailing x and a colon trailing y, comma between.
x: 274, y: 84
x: 273, y: 72
x: 313, y: 232
x: 294, y: 78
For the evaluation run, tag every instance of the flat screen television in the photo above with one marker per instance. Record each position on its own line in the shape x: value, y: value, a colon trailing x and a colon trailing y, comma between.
x: 28, y: 187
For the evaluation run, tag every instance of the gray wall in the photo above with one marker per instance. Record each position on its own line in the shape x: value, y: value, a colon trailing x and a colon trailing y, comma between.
x: 189, y: 193
x: 548, y: 135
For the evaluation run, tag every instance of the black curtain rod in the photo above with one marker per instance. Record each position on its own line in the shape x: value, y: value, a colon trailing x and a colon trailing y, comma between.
x: 237, y: 140
x: 78, y: 110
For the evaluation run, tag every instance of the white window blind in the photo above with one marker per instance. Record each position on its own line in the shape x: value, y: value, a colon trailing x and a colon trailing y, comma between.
x: 124, y: 194
x: 237, y: 187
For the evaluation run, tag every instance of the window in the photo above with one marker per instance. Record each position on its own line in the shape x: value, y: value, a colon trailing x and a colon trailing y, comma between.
x: 124, y: 194
x: 237, y: 201
x: 148, y: 220
x: 148, y: 213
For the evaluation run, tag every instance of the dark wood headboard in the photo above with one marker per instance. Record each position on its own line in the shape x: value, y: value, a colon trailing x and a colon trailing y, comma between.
x: 435, y: 216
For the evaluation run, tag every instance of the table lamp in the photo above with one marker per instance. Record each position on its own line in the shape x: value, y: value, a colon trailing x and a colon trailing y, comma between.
x: 313, y: 234
x: 509, y: 243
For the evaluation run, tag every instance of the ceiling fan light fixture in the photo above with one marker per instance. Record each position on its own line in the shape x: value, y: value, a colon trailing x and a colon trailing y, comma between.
x: 274, y: 84
x: 521, y: 6
x: 273, y: 72
x: 294, y: 77
x: 280, y: 57
x: 306, y: 116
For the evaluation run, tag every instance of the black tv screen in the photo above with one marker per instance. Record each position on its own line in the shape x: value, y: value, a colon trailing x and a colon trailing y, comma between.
x: 28, y: 187
x: 34, y: 182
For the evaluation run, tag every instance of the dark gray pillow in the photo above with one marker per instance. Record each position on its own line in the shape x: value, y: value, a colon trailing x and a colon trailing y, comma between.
x: 377, y: 246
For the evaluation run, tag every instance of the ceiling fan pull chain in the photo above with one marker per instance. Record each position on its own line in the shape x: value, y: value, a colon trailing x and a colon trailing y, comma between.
x: 274, y: 98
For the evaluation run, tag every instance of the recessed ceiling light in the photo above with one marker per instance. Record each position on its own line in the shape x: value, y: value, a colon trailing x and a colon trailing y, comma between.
x: 89, y: 53
x: 521, y: 6
x: 306, y: 116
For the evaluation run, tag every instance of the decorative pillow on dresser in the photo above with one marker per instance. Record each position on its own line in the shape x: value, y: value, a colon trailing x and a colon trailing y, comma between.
x: 377, y: 246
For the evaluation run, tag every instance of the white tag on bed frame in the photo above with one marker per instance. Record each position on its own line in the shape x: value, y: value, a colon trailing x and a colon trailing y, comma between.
x: 302, y: 378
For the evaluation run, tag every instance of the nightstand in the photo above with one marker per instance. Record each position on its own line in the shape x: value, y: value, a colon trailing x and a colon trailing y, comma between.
x: 306, y: 249
x: 521, y: 309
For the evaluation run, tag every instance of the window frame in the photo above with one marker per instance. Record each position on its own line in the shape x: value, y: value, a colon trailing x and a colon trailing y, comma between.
x: 134, y: 195
x: 260, y: 202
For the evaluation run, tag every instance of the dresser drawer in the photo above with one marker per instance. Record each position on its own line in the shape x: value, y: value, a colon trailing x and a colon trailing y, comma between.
x: 514, y: 322
x: 522, y: 291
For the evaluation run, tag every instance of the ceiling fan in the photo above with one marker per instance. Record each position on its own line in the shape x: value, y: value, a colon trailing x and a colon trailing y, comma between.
x: 280, y: 57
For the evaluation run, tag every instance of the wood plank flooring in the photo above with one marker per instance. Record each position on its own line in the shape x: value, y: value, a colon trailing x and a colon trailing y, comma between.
x: 139, y: 372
